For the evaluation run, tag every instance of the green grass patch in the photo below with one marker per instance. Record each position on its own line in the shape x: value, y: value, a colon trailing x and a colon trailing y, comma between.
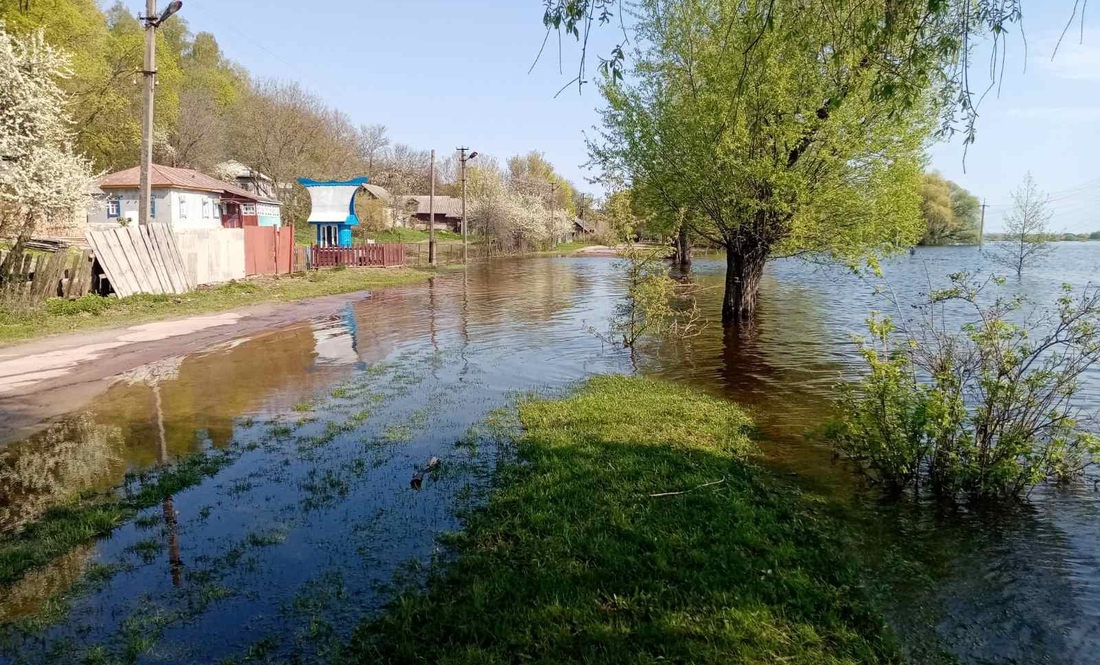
x: 573, y: 560
x: 65, y: 526
x: 401, y: 234
x: 58, y: 315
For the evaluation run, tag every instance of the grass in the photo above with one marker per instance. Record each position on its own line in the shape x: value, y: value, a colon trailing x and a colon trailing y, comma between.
x: 65, y: 526
x: 573, y: 561
x: 61, y: 316
x: 401, y: 234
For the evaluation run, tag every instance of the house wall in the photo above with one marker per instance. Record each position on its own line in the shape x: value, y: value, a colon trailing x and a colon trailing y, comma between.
x: 269, y: 215
x: 194, y: 210
x: 183, y: 209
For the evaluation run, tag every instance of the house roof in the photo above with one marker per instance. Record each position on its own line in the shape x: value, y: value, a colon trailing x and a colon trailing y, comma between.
x: 377, y: 191
x: 170, y: 176
x: 585, y: 226
x: 445, y: 206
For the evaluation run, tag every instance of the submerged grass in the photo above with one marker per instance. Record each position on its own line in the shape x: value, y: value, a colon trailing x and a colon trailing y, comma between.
x: 574, y: 560
x: 65, y: 526
x: 59, y: 316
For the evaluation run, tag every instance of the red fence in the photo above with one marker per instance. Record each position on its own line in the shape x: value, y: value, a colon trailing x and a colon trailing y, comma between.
x: 388, y: 254
x: 268, y: 250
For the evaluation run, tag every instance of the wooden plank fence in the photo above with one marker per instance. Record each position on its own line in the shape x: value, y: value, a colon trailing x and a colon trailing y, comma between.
x: 40, y: 276
x: 386, y: 254
x: 140, y: 259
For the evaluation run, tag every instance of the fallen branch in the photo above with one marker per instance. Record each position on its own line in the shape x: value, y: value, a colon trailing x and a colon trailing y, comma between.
x: 699, y: 487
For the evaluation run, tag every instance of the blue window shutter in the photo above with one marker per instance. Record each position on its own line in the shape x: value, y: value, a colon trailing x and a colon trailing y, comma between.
x: 152, y: 206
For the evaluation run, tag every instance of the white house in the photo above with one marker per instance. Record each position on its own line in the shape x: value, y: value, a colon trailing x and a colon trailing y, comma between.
x: 183, y: 198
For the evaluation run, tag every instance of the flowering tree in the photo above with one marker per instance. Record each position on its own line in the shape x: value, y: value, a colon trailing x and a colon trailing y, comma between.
x: 41, y: 177
x: 513, y: 218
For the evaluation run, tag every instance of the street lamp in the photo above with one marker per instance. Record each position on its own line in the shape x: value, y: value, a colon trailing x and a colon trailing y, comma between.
x: 172, y: 8
x: 463, y: 157
x: 149, y: 75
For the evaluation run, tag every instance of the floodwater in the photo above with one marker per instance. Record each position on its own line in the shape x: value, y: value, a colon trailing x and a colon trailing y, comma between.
x: 313, y: 524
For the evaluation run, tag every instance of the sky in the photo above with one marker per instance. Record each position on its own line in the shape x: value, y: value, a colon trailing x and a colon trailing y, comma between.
x: 444, y: 73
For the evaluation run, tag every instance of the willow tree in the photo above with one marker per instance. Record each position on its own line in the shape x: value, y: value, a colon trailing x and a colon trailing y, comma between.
x: 785, y: 126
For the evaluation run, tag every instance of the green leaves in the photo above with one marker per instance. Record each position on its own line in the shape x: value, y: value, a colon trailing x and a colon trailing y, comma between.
x: 985, y: 409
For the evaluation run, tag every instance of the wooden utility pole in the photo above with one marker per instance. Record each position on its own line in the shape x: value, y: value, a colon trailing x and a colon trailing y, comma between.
x: 981, y: 227
x: 148, y: 82
x: 431, y: 214
x: 462, y: 159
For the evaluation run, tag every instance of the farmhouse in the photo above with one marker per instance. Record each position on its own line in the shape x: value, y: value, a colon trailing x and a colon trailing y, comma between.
x: 185, y: 199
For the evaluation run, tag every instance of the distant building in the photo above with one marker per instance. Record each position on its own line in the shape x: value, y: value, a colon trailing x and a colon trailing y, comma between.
x: 185, y: 199
x: 448, y: 211
x: 247, y: 178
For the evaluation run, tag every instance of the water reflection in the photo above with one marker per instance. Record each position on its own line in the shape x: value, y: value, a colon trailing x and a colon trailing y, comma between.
x: 331, y: 419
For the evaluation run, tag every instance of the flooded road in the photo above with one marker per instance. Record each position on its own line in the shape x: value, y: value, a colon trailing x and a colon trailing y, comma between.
x: 309, y: 522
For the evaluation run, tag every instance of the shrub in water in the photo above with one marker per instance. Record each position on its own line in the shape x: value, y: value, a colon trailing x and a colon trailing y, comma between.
x: 987, y: 408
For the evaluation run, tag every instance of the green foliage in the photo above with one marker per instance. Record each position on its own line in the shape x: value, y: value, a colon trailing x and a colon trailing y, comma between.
x: 655, y: 305
x: 90, y: 304
x: 731, y: 115
x: 1027, y: 229
x: 578, y: 558
x: 985, y: 410
x: 951, y: 214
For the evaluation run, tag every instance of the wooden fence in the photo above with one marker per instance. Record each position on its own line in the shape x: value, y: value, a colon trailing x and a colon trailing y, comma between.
x: 36, y: 277
x: 387, y: 254
x: 140, y: 259
x: 212, y: 256
x: 268, y: 250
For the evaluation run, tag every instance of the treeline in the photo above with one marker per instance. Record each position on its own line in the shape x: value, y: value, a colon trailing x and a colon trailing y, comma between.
x: 1051, y: 237
x: 209, y: 110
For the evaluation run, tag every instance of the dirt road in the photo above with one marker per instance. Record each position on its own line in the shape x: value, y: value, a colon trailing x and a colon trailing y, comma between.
x: 46, y: 378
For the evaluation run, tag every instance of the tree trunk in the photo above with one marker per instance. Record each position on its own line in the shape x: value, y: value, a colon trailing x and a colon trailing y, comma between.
x: 744, y: 268
x: 683, y: 248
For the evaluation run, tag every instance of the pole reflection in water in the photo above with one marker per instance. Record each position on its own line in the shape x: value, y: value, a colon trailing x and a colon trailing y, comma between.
x: 153, y: 375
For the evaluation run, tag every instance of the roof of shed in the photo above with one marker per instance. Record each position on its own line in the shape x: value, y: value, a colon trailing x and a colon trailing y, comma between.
x: 445, y: 206
x: 169, y: 176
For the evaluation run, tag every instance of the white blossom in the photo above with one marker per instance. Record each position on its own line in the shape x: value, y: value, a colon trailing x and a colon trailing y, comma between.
x: 40, y: 174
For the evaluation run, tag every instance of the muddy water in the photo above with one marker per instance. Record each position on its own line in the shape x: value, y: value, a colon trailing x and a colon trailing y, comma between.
x: 313, y: 523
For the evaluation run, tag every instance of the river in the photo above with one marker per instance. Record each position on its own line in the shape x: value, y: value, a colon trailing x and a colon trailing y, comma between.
x: 312, y: 524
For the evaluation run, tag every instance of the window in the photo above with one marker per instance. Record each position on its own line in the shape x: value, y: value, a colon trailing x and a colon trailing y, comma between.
x: 248, y: 209
x: 152, y: 206
x: 207, y: 210
x: 183, y: 206
x: 114, y: 208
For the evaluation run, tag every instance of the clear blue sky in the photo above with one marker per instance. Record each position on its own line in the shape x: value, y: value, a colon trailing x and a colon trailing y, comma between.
x: 444, y: 73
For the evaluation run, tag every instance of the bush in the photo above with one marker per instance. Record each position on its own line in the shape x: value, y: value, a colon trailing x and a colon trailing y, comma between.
x: 90, y: 304
x: 234, y: 287
x: 986, y: 410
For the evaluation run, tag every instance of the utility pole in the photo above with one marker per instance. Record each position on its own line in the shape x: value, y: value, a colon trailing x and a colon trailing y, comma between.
x: 431, y: 214
x: 463, y: 159
x: 981, y: 227
x: 149, y: 82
